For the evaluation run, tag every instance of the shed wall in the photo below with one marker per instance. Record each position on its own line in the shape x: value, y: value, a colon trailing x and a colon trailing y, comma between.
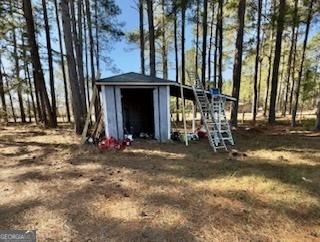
x: 112, y: 111
x: 113, y: 117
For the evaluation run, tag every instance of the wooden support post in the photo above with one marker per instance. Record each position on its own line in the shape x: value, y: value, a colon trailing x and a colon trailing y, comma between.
x: 86, y: 126
x: 243, y: 114
x: 184, y: 115
x: 99, y: 127
x: 194, y: 114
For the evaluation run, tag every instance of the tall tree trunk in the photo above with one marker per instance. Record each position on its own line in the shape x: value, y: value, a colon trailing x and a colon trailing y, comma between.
x: 262, y: 47
x: 267, y: 90
x: 3, y: 99
x: 17, y: 68
x: 74, y: 30
x: 6, y: 84
x: 210, y: 41
x: 164, y: 50
x: 50, y: 62
x: 280, y: 92
x: 289, y: 66
x: 77, y: 38
x: 152, y: 51
x: 220, y: 26
x: 298, y: 84
x: 80, y: 53
x: 29, y: 109
x: 276, y: 62
x: 66, y: 92
x: 19, y: 81
x: 183, y: 29
x: 293, y: 72
x: 28, y: 78
x: 204, y: 41
x: 86, y: 60
x: 141, y: 32
x: 77, y: 104
x: 266, y: 97
x: 318, y: 115
x: 238, y: 62
x: 256, y: 68
x: 175, y: 30
x: 215, y: 56
x: 46, y: 114
x: 11, y: 101
x: 97, y: 37
x: 259, y: 83
x: 31, y: 94
x: 91, y: 43
x: 197, y: 36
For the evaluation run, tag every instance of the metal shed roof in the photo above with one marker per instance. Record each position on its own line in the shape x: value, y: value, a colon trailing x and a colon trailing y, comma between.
x: 133, y: 78
x: 136, y: 79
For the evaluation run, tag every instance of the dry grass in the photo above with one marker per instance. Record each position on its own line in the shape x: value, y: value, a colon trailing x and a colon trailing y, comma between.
x: 153, y: 192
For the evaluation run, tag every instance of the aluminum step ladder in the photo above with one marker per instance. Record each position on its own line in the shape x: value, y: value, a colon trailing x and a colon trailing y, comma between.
x: 215, y: 137
x: 218, y: 106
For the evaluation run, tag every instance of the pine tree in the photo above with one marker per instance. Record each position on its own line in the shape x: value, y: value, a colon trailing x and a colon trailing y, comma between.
x: 238, y: 62
x: 297, y: 88
x: 152, y: 51
x: 204, y: 42
x: 66, y: 92
x: 256, y: 68
x: 276, y: 62
x: 289, y: 65
x: 77, y: 105
x: 46, y: 110
x: 50, y: 62
x: 141, y: 33
x: 4, y: 113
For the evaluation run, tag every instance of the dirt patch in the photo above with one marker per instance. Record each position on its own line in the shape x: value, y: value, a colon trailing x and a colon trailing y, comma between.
x: 161, y: 192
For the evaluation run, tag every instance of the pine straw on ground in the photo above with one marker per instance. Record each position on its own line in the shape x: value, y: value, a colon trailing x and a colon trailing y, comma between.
x: 161, y: 192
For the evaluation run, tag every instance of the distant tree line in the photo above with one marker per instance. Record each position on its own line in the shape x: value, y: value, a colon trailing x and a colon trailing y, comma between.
x: 51, y: 53
x: 39, y: 39
x: 275, y: 58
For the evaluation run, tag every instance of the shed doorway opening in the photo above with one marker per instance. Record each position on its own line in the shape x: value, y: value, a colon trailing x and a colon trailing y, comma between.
x: 138, y: 113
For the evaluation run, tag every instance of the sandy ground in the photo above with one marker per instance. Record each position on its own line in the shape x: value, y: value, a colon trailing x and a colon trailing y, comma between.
x: 161, y: 192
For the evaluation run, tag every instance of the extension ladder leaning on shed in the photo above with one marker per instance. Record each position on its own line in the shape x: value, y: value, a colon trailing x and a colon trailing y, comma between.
x: 213, y: 115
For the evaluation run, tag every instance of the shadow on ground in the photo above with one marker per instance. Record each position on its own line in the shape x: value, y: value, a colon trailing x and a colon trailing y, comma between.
x: 153, y: 192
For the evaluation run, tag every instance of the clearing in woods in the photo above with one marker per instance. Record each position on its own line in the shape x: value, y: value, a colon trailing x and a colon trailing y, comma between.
x: 152, y: 192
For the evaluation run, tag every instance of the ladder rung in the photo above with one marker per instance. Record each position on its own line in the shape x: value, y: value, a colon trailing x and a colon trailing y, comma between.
x: 226, y: 138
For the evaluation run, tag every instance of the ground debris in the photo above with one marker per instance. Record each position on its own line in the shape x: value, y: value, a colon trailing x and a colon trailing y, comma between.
x: 315, y: 234
x: 235, y: 154
x: 307, y: 180
x: 143, y: 214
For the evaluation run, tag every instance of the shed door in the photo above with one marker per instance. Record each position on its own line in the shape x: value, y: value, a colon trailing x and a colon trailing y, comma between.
x: 137, y: 110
